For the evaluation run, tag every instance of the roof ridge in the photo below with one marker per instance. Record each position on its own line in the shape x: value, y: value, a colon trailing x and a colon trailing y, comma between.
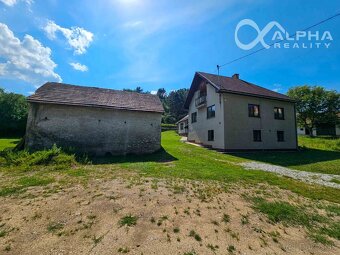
x: 246, y: 82
x: 225, y: 84
x: 68, y: 94
x: 97, y: 88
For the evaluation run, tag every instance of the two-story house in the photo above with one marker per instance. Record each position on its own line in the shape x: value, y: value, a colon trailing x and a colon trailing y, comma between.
x: 231, y: 114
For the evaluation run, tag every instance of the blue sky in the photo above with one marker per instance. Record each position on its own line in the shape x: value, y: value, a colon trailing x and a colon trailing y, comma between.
x: 127, y: 43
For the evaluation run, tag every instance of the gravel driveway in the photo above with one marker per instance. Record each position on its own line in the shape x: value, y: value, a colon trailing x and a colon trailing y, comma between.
x: 322, y: 179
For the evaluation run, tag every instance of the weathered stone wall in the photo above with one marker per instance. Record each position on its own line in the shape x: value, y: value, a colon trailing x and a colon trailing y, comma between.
x: 92, y: 130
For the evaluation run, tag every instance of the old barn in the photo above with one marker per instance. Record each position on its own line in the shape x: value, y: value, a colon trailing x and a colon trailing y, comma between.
x: 93, y: 120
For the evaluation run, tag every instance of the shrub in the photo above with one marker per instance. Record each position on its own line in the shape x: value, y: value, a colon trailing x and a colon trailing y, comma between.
x: 128, y: 220
x: 193, y: 234
x: 54, y: 156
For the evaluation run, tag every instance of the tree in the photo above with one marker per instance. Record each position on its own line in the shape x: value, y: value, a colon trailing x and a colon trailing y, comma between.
x: 138, y: 89
x: 175, y: 104
x: 161, y: 93
x: 13, y: 114
x: 314, y: 105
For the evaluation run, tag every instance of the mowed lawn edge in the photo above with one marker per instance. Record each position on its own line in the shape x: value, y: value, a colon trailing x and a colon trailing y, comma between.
x: 8, y: 143
x: 181, y: 160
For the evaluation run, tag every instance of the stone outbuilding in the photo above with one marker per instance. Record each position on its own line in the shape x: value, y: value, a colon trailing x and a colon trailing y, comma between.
x: 93, y: 120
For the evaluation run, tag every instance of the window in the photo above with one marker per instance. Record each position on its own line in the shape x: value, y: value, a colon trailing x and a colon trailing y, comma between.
x: 194, y: 117
x: 254, y: 110
x: 181, y: 126
x: 257, y: 135
x: 210, y: 135
x: 280, y: 136
x: 211, y: 112
x: 203, y: 90
x: 279, y: 113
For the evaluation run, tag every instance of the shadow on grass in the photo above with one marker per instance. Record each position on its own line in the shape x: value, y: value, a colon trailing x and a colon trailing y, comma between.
x: 292, y: 158
x: 159, y: 156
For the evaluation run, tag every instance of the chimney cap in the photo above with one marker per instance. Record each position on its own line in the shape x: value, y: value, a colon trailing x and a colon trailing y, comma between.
x: 236, y: 76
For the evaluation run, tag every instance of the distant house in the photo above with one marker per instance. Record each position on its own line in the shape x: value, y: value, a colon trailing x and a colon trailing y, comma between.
x: 326, y: 129
x: 182, y: 126
x: 93, y: 120
x: 305, y: 131
x: 231, y: 114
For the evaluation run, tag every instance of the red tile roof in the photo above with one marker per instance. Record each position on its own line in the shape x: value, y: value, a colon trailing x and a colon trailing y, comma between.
x: 66, y: 94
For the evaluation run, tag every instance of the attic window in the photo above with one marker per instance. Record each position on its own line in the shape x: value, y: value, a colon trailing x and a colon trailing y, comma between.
x: 203, y: 89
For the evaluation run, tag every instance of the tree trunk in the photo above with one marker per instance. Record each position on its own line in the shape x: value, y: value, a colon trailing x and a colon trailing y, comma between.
x: 311, y: 131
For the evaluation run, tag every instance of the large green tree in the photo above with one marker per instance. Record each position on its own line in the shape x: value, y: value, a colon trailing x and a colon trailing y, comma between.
x: 173, y: 103
x: 13, y: 114
x: 315, y: 104
x: 174, y: 106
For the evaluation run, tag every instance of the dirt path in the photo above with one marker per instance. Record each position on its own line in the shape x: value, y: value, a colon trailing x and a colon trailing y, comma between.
x: 309, y: 177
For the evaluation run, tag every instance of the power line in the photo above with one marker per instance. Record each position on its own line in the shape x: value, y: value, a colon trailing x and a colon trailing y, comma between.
x: 263, y: 48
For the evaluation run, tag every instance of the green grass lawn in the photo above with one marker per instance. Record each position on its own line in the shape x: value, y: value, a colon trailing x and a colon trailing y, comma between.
x: 321, y: 155
x: 8, y: 143
x: 186, y: 161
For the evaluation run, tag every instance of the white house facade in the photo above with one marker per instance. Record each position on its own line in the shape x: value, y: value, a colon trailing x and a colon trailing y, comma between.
x: 230, y: 114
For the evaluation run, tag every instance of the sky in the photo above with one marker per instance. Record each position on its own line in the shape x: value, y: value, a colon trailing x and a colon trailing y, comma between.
x: 161, y: 44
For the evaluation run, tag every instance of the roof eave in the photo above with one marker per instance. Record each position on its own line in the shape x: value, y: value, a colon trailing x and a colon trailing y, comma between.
x: 255, y: 95
x: 30, y: 100
x: 187, y: 104
x: 183, y: 119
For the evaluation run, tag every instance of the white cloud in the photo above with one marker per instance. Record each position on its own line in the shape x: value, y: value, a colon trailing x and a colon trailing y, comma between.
x: 153, y: 92
x: 78, y: 38
x: 13, y: 2
x: 79, y: 67
x: 132, y: 24
x: 9, y: 2
x: 26, y: 60
x: 277, y: 87
x: 144, y: 23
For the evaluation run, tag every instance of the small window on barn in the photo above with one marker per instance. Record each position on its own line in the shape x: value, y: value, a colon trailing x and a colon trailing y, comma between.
x: 279, y: 113
x: 211, y: 111
x: 194, y: 117
x: 257, y: 136
x: 181, y: 126
x: 211, y: 135
x: 280, y: 136
x: 254, y: 110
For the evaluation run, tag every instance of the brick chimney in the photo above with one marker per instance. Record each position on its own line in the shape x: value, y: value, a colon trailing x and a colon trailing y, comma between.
x: 236, y: 76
